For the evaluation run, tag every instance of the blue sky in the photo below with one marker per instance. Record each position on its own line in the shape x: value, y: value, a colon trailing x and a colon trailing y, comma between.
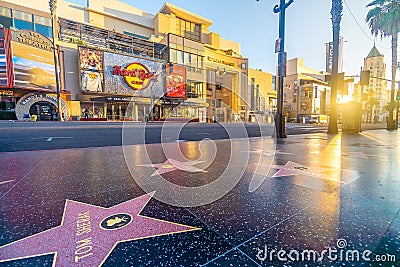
x: 308, y: 27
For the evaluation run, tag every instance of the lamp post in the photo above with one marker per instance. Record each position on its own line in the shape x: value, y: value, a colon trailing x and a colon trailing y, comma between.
x: 280, y: 47
x: 53, y: 8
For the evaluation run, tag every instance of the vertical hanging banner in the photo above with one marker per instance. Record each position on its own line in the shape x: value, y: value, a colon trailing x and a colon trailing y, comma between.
x: 176, y: 82
x: 329, y: 57
x: 91, y: 65
x: 3, y: 63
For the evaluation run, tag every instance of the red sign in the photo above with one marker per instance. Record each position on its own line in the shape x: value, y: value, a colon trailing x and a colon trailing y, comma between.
x: 136, y: 75
x: 176, y: 82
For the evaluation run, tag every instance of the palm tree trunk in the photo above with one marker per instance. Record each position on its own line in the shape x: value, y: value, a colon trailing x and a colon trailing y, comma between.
x: 336, y: 12
x: 390, y: 122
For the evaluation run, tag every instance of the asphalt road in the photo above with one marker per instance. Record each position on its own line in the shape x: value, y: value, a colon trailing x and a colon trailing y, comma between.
x: 30, y: 136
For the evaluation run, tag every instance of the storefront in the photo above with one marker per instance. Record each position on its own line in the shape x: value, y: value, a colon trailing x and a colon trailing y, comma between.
x: 119, y: 87
x: 43, y: 105
x: 27, y: 78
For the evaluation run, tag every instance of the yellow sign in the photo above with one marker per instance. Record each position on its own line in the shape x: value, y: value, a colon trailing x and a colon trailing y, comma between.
x: 136, y: 75
x: 6, y: 93
x: 32, y: 39
x: 220, y: 61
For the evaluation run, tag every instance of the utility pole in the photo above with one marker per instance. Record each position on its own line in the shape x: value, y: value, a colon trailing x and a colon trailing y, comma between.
x: 280, y: 117
x: 53, y: 8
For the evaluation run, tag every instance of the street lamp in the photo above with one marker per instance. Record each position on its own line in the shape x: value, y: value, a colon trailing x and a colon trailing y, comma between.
x: 53, y: 8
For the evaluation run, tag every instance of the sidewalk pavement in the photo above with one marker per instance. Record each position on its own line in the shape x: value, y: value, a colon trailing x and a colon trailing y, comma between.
x: 313, y: 199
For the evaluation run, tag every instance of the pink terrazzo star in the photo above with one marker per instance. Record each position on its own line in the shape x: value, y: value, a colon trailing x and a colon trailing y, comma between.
x: 293, y: 168
x: 173, y: 165
x: 88, y: 234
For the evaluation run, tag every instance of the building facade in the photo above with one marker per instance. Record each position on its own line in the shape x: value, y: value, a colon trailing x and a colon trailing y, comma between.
x: 216, y: 71
x: 375, y: 95
x: 306, y: 93
x: 118, y: 62
x: 262, y: 95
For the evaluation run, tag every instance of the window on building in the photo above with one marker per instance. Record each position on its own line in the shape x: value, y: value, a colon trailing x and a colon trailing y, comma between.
x: 23, y: 20
x: 5, y: 17
x: 188, y: 29
x: 194, y: 89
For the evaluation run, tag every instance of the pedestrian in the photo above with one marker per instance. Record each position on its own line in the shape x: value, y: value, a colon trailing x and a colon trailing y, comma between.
x: 86, y: 114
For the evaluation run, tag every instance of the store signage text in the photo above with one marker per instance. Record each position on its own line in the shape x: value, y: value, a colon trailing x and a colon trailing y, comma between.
x: 50, y: 96
x: 6, y: 93
x: 220, y: 61
x: 136, y: 75
x: 33, y: 39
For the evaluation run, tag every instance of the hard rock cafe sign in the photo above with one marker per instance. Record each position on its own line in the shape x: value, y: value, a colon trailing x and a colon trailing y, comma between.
x: 136, y: 75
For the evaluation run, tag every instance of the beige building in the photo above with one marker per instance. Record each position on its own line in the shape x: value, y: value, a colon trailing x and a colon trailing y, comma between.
x: 262, y: 95
x: 305, y: 92
x: 102, y: 43
x: 376, y: 96
x: 216, y: 71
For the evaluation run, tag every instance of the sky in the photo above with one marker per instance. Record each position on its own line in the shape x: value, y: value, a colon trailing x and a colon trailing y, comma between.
x: 308, y: 27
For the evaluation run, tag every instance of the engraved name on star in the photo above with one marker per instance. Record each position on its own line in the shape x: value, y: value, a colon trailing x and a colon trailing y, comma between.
x: 88, y: 234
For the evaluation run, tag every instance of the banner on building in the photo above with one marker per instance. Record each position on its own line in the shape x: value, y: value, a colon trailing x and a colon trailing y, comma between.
x: 176, y: 82
x: 126, y: 75
x: 33, y: 61
x: 90, y: 59
x: 329, y: 57
x: 3, y: 65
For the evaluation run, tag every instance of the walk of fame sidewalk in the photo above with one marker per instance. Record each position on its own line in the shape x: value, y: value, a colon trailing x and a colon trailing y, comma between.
x: 209, y: 203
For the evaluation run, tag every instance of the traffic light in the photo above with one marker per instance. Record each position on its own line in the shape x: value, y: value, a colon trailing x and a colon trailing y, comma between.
x: 328, y: 78
x: 364, y: 77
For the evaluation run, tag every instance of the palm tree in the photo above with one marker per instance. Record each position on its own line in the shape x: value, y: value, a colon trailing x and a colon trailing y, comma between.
x: 384, y: 19
x: 336, y: 12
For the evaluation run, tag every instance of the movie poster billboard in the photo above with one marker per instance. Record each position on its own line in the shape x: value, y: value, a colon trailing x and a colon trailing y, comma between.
x: 176, y: 82
x: 33, y: 61
x: 91, y: 65
x: 3, y: 65
x: 126, y: 75
x: 90, y: 59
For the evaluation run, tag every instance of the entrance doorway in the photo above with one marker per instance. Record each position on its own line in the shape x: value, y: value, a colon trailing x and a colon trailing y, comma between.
x: 45, y: 111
